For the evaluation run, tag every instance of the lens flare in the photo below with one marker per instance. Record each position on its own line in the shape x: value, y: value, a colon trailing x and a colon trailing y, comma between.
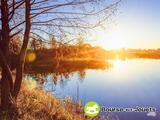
x: 31, y: 57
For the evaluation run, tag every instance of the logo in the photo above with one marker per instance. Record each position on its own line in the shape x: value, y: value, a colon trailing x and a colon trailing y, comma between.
x: 92, y: 109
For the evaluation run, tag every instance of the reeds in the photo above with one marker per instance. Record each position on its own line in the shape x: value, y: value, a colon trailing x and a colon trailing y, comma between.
x: 36, y: 104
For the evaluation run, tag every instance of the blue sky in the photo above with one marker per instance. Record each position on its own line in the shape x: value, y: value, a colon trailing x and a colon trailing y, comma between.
x: 137, y: 25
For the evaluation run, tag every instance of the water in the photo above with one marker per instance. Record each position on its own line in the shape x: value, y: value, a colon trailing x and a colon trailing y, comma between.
x: 128, y: 83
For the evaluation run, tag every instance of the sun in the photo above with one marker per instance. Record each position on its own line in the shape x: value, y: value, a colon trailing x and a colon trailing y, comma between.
x: 112, y: 39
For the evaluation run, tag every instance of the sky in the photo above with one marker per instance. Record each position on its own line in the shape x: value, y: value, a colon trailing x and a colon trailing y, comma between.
x: 137, y: 25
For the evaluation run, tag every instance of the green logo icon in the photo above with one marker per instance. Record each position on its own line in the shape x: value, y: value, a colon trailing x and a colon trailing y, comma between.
x: 92, y: 109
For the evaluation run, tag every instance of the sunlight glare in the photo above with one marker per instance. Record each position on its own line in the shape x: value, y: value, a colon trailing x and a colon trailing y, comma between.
x: 118, y: 64
x: 114, y: 38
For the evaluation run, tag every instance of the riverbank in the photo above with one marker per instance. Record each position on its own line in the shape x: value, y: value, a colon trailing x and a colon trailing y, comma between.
x: 36, y: 104
x: 47, y: 65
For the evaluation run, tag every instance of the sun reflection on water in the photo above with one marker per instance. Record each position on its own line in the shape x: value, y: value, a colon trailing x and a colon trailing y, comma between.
x: 118, y: 64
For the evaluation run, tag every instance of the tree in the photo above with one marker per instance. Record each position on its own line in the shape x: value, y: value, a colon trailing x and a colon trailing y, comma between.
x: 36, y: 44
x: 80, y: 41
x: 42, y: 19
x: 9, y: 88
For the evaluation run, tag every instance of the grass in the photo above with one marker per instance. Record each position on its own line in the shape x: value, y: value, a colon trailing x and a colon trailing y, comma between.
x: 36, y: 104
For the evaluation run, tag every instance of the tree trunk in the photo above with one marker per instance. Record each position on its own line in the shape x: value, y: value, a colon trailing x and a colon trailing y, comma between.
x: 6, y: 84
x: 7, y: 81
x: 6, y: 97
x: 20, y: 67
x: 18, y: 80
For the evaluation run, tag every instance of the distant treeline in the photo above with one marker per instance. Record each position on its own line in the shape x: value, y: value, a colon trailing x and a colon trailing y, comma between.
x: 133, y: 53
x: 67, y: 58
x: 86, y: 51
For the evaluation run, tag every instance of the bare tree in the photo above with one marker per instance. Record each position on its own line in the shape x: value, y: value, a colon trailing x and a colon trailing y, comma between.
x: 10, y: 88
x: 62, y: 19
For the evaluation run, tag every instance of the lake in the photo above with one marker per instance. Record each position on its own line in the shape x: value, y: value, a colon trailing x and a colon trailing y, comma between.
x: 127, y: 84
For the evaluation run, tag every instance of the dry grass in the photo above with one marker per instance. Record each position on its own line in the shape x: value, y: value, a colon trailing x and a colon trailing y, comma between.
x: 36, y: 104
